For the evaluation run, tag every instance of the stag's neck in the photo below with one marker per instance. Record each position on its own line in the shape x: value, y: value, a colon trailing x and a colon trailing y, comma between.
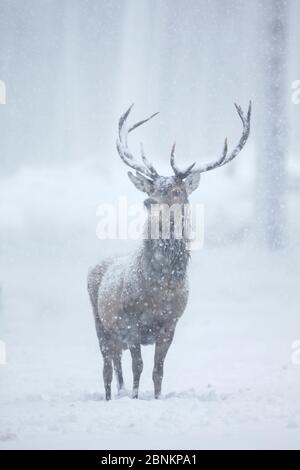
x: 165, y: 259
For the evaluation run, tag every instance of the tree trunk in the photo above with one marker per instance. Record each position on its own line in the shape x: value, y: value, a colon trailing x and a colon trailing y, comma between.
x: 271, y: 117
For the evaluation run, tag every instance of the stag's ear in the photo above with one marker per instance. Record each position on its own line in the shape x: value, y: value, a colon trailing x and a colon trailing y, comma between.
x: 192, y: 181
x: 141, y: 182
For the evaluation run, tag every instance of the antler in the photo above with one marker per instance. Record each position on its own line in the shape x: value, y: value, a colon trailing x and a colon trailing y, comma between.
x: 225, y: 158
x: 147, y: 169
x: 180, y: 173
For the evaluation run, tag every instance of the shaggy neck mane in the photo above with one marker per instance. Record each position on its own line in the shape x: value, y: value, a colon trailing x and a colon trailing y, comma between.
x: 166, y: 259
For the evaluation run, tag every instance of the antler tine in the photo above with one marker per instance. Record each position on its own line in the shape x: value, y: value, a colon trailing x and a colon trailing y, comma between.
x: 187, y: 171
x: 225, y: 158
x: 129, y: 160
x: 123, y: 119
x: 172, y: 160
x: 180, y: 173
x: 147, y: 163
x: 246, y: 131
x: 147, y: 170
x: 142, y: 122
x: 212, y: 165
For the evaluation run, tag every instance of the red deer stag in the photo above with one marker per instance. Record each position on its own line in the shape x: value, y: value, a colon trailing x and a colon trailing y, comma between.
x: 138, y: 299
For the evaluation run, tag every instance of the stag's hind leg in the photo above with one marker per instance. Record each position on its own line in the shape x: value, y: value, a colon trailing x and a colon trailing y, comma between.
x: 112, y: 354
x: 137, y: 368
x: 107, y: 353
x: 94, y: 280
x: 107, y: 367
x: 118, y: 369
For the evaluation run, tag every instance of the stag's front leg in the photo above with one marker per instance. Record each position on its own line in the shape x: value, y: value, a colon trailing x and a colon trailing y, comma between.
x: 137, y: 368
x: 107, y: 353
x: 162, y: 345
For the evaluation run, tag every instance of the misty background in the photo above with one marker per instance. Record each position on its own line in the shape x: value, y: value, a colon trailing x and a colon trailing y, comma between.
x: 71, y: 68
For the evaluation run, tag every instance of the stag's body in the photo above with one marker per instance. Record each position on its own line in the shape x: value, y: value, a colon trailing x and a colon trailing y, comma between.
x: 138, y: 299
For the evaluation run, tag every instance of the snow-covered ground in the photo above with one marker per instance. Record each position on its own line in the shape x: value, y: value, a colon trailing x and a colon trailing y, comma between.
x: 229, y: 377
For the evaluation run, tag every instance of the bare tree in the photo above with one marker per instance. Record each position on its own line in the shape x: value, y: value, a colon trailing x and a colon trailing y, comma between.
x: 272, y: 125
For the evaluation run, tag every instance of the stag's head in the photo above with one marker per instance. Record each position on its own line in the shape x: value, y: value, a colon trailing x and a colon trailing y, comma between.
x: 173, y: 189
